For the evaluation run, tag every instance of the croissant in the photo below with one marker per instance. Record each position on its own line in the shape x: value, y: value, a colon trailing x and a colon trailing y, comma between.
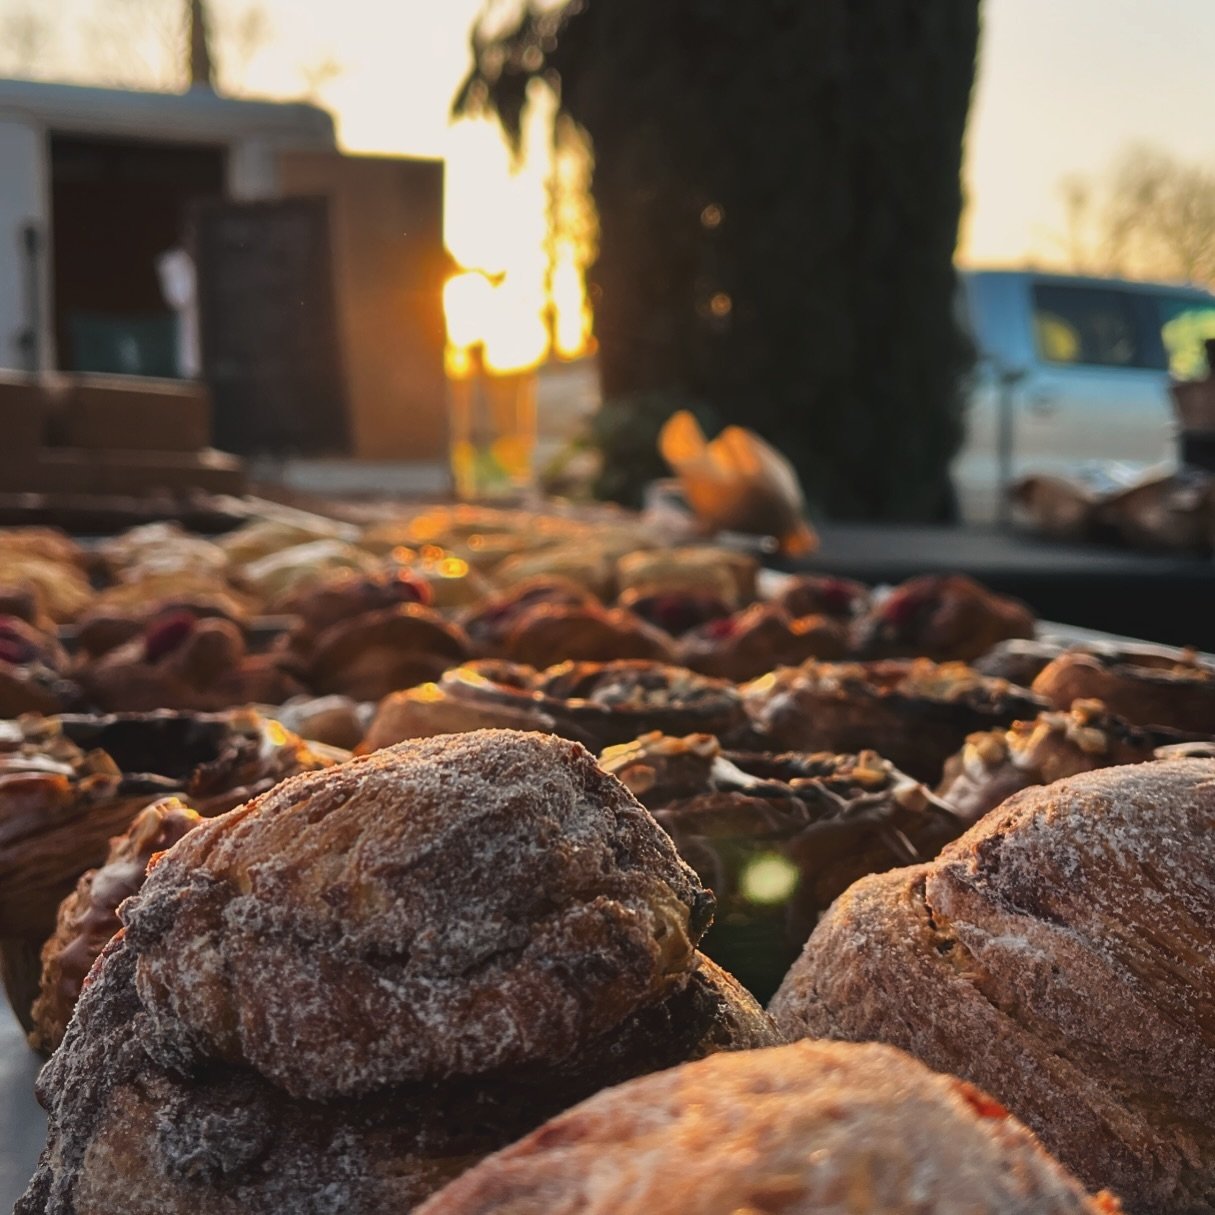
x: 1061, y: 954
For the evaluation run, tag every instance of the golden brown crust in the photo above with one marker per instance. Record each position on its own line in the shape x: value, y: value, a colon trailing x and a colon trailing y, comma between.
x: 1059, y: 954
x: 809, y: 1129
x: 1146, y: 688
x: 384, y: 651
x: 548, y: 633
x: 560, y: 907
x: 344, y: 993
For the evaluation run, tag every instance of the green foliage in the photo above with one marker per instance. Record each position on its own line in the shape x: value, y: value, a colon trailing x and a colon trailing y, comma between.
x: 778, y: 191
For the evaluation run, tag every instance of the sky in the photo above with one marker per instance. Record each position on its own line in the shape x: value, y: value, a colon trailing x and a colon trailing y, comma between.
x: 1063, y: 85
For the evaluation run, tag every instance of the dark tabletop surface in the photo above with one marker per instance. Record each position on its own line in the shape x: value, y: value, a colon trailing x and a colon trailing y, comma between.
x: 1162, y: 598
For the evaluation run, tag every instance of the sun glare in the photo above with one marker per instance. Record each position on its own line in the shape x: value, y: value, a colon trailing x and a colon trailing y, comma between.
x: 520, y: 281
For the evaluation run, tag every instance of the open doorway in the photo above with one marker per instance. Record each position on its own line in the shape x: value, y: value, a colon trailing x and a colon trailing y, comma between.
x: 116, y: 206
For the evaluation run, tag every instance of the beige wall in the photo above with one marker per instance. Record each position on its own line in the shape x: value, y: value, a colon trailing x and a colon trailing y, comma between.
x: 386, y: 217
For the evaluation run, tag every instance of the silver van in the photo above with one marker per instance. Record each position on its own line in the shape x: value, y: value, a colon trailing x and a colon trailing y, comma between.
x: 1071, y: 371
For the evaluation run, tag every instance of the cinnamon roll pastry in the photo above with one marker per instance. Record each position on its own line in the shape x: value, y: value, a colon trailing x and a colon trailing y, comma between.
x: 813, y: 1128
x: 88, y: 917
x: 380, y: 652
x: 995, y: 764
x: 943, y: 617
x: 548, y: 633
x: 914, y: 713
x: 1061, y: 954
x: 68, y: 784
x: 760, y: 639
x: 1146, y: 685
x: 182, y: 661
x: 596, y: 704
x: 424, y: 954
x: 778, y: 837
x: 33, y: 671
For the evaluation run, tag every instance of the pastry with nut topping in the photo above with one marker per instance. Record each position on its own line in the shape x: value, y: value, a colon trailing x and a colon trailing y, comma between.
x: 778, y: 837
x: 995, y: 764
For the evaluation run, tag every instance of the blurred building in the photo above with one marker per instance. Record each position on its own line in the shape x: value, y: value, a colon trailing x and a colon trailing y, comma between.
x: 318, y: 275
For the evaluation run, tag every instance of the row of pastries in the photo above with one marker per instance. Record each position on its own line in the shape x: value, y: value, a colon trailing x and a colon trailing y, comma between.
x: 513, y: 955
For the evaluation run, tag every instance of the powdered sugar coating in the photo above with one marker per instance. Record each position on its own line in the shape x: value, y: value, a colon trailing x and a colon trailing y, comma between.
x: 451, y: 906
x: 1062, y: 955
x: 809, y: 1129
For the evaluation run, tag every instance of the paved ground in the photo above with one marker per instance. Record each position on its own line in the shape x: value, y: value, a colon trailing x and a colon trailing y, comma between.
x: 22, y: 1123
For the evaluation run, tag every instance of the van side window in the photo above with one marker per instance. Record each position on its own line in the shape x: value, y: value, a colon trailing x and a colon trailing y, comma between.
x: 1088, y: 325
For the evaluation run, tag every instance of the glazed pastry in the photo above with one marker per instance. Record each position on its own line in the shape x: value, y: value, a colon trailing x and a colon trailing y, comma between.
x: 350, y: 1045
x: 266, y: 537
x: 488, y: 624
x: 814, y: 1128
x: 67, y: 784
x: 380, y: 652
x: 336, y: 721
x: 1062, y: 955
x: 60, y: 588
x: 722, y: 571
x: 819, y: 595
x: 276, y: 577
x: 548, y: 633
x: 942, y: 617
x: 760, y: 639
x: 88, y: 917
x: 33, y: 669
x: 1147, y: 686
x: 778, y: 837
x: 914, y: 713
x: 180, y: 661
x: 994, y: 765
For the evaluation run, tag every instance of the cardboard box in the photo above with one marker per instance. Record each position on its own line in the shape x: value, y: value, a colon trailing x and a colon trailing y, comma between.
x: 136, y: 473
x: 22, y: 414
x: 49, y: 471
x: 134, y: 414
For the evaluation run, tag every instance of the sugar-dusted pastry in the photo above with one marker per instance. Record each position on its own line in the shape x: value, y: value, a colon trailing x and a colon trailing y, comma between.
x: 778, y: 837
x: 943, y: 617
x: 814, y: 1128
x: 344, y: 993
x: 914, y: 713
x: 1062, y: 955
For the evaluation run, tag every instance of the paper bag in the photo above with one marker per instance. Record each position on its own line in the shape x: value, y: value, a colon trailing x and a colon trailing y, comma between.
x: 738, y: 483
